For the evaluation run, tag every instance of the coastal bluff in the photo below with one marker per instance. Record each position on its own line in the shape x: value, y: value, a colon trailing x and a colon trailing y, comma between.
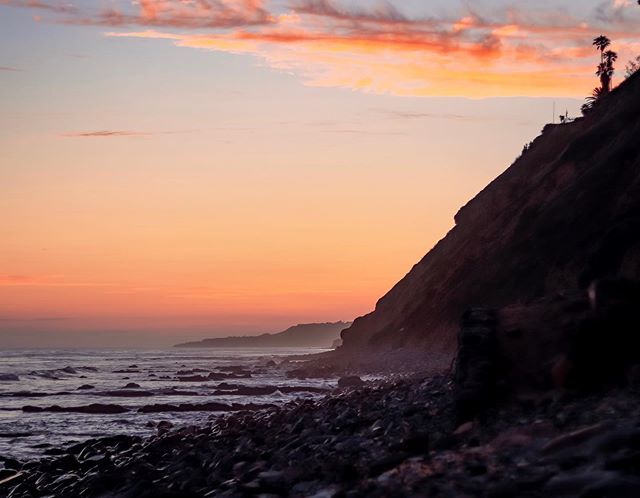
x: 565, y: 213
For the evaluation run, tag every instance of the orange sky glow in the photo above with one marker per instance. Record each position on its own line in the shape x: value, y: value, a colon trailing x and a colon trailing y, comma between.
x: 177, y: 169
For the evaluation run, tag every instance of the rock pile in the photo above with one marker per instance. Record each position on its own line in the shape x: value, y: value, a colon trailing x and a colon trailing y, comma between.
x: 397, y: 438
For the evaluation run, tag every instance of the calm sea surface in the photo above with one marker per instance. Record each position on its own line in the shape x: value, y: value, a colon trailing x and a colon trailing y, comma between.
x: 77, y: 378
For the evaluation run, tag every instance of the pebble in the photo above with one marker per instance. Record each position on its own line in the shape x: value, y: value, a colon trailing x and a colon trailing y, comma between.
x: 464, y: 429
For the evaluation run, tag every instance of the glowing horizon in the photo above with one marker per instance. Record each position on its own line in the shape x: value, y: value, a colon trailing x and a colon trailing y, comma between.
x: 182, y: 169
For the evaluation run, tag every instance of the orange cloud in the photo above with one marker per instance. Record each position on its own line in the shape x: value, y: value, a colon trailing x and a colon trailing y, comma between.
x: 401, y: 63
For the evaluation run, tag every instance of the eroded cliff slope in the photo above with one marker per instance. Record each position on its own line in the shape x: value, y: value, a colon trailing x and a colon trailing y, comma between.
x: 564, y: 213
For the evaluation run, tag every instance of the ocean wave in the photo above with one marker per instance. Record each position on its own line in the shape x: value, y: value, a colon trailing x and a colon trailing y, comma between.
x: 57, y: 373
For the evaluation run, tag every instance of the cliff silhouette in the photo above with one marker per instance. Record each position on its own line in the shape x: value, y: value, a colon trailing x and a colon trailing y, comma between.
x: 563, y: 214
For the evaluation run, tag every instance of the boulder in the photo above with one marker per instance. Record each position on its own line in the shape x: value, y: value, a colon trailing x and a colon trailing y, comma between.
x: 350, y: 381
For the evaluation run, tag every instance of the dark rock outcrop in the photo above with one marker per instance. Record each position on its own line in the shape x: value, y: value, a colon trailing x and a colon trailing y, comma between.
x: 564, y: 214
x: 350, y: 381
x: 581, y: 340
x: 213, y: 376
x: 202, y: 407
x: 94, y: 408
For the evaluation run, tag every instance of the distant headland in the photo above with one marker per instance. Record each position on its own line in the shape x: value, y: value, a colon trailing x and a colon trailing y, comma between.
x: 309, y: 335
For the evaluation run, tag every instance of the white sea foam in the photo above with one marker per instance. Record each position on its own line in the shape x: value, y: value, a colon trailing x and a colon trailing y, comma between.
x: 53, y: 377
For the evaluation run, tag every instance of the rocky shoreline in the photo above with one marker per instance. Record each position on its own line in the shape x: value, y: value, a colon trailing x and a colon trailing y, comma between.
x: 399, y: 437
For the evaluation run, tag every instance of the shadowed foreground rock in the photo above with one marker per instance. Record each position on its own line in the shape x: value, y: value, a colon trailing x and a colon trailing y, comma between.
x: 580, y: 339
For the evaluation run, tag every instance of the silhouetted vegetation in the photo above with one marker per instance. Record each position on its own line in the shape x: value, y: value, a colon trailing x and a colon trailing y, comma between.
x: 633, y: 66
x: 604, y: 72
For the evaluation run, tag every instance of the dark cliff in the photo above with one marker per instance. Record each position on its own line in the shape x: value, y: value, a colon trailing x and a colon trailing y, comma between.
x: 564, y: 213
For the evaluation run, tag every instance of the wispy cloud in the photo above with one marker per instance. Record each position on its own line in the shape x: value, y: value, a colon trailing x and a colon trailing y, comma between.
x: 356, y: 131
x: 46, y: 281
x: 9, y: 68
x: 413, y: 115
x: 51, y: 6
x: 106, y: 134
x: 383, y: 12
x: 158, y: 13
x: 120, y: 133
x: 405, y: 115
x: 36, y: 319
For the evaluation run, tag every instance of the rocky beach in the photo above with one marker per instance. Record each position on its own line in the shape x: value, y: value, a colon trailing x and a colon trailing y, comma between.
x: 399, y: 437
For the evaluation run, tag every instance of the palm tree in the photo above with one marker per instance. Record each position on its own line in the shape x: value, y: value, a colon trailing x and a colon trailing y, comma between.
x: 604, y: 71
x: 610, y: 57
x: 591, y: 100
x: 601, y: 43
x: 595, y: 95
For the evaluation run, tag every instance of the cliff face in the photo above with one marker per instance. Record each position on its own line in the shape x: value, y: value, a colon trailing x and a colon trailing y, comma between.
x: 564, y: 213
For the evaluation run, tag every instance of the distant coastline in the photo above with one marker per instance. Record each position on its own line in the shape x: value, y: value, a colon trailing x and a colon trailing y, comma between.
x: 309, y: 335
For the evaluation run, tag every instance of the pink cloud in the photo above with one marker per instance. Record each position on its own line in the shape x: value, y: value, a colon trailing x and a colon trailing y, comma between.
x: 57, y: 7
x: 160, y: 13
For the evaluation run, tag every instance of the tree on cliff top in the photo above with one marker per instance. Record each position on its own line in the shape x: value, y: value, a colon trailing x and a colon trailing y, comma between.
x: 604, y: 71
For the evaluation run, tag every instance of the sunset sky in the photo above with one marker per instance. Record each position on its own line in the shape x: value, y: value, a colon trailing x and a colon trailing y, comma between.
x: 175, y: 169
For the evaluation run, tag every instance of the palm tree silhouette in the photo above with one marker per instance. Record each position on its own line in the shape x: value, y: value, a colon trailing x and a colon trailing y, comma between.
x: 601, y: 43
x: 592, y: 99
x: 610, y: 57
x: 606, y: 70
x: 607, y: 58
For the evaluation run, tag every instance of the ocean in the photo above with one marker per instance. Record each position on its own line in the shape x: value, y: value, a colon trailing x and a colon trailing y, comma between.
x: 144, y: 385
